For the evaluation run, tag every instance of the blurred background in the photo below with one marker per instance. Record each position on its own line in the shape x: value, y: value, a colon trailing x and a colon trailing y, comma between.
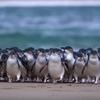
x: 50, y: 23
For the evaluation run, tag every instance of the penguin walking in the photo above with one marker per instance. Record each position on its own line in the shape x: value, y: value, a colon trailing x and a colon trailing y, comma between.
x: 30, y: 63
x: 69, y: 57
x: 40, y: 62
x: 12, y: 67
x: 93, y: 66
x: 3, y: 59
x: 55, y: 67
x: 21, y: 61
x: 78, y: 67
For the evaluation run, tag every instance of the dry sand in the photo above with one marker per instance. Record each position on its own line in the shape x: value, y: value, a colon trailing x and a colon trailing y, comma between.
x: 49, y: 91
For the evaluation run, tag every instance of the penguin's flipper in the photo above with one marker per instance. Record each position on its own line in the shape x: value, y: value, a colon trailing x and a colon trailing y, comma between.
x: 65, y: 67
x: 43, y: 67
x: 84, y: 68
x: 24, y: 63
x: 20, y: 67
x: 64, y: 64
x: 85, y: 65
x: 3, y: 67
x: 99, y: 58
x: 32, y: 66
x: 73, y: 66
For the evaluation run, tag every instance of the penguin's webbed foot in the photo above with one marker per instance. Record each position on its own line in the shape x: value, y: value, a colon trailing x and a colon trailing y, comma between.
x: 10, y: 80
x: 54, y: 81
x: 17, y: 80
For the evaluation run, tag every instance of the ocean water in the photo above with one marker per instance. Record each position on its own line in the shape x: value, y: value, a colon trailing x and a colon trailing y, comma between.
x: 48, y: 27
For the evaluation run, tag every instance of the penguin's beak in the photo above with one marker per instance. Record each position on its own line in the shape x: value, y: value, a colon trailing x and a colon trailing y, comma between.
x: 11, y: 56
x: 94, y: 53
x: 53, y: 51
x: 42, y: 51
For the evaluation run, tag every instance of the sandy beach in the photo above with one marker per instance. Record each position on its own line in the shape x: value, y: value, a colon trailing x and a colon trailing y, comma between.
x: 49, y: 91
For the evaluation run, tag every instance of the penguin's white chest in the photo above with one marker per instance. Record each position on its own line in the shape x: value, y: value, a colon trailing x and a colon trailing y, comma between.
x: 55, y: 68
x: 31, y: 60
x: 80, y: 64
x: 70, y: 60
x: 12, y: 68
x: 68, y: 57
x: 78, y: 68
x: 40, y: 62
x: 93, y: 67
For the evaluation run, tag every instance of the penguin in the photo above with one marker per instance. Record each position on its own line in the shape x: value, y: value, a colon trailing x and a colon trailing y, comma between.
x: 69, y: 57
x: 98, y: 49
x: 12, y: 68
x: 3, y: 60
x: 93, y: 66
x: 30, y: 62
x: 22, y: 63
x: 23, y: 70
x: 55, y: 67
x: 85, y: 53
x: 40, y: 62
x: 48, y: 53
x: 78, y: 67
x: 1, y: 64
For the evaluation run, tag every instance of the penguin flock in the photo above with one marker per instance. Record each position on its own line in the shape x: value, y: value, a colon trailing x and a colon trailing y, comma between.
x: 50, y: 65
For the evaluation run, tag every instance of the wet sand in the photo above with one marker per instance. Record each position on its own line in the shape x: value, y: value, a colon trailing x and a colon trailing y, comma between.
x: 49, y: 91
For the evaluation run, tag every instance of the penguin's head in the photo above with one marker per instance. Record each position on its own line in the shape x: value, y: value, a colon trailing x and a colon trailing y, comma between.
x: 16, y: 49
x: 27, y: 51
x: 58, y: 51
x: 31, y: 49
x: 98, y: 51
x: 55, y: 57
x: 47, y: 51
x: 80, y: 56
x: 89, y: 50
x: 4, y: 57
x: 41, y: 52
x: 63, y: 48
x: 12, y: 54
x: 68, y: 49
x: 55, y: 54
x: 84, y: 51
x: 93, y: 54
x: 53, y: 51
